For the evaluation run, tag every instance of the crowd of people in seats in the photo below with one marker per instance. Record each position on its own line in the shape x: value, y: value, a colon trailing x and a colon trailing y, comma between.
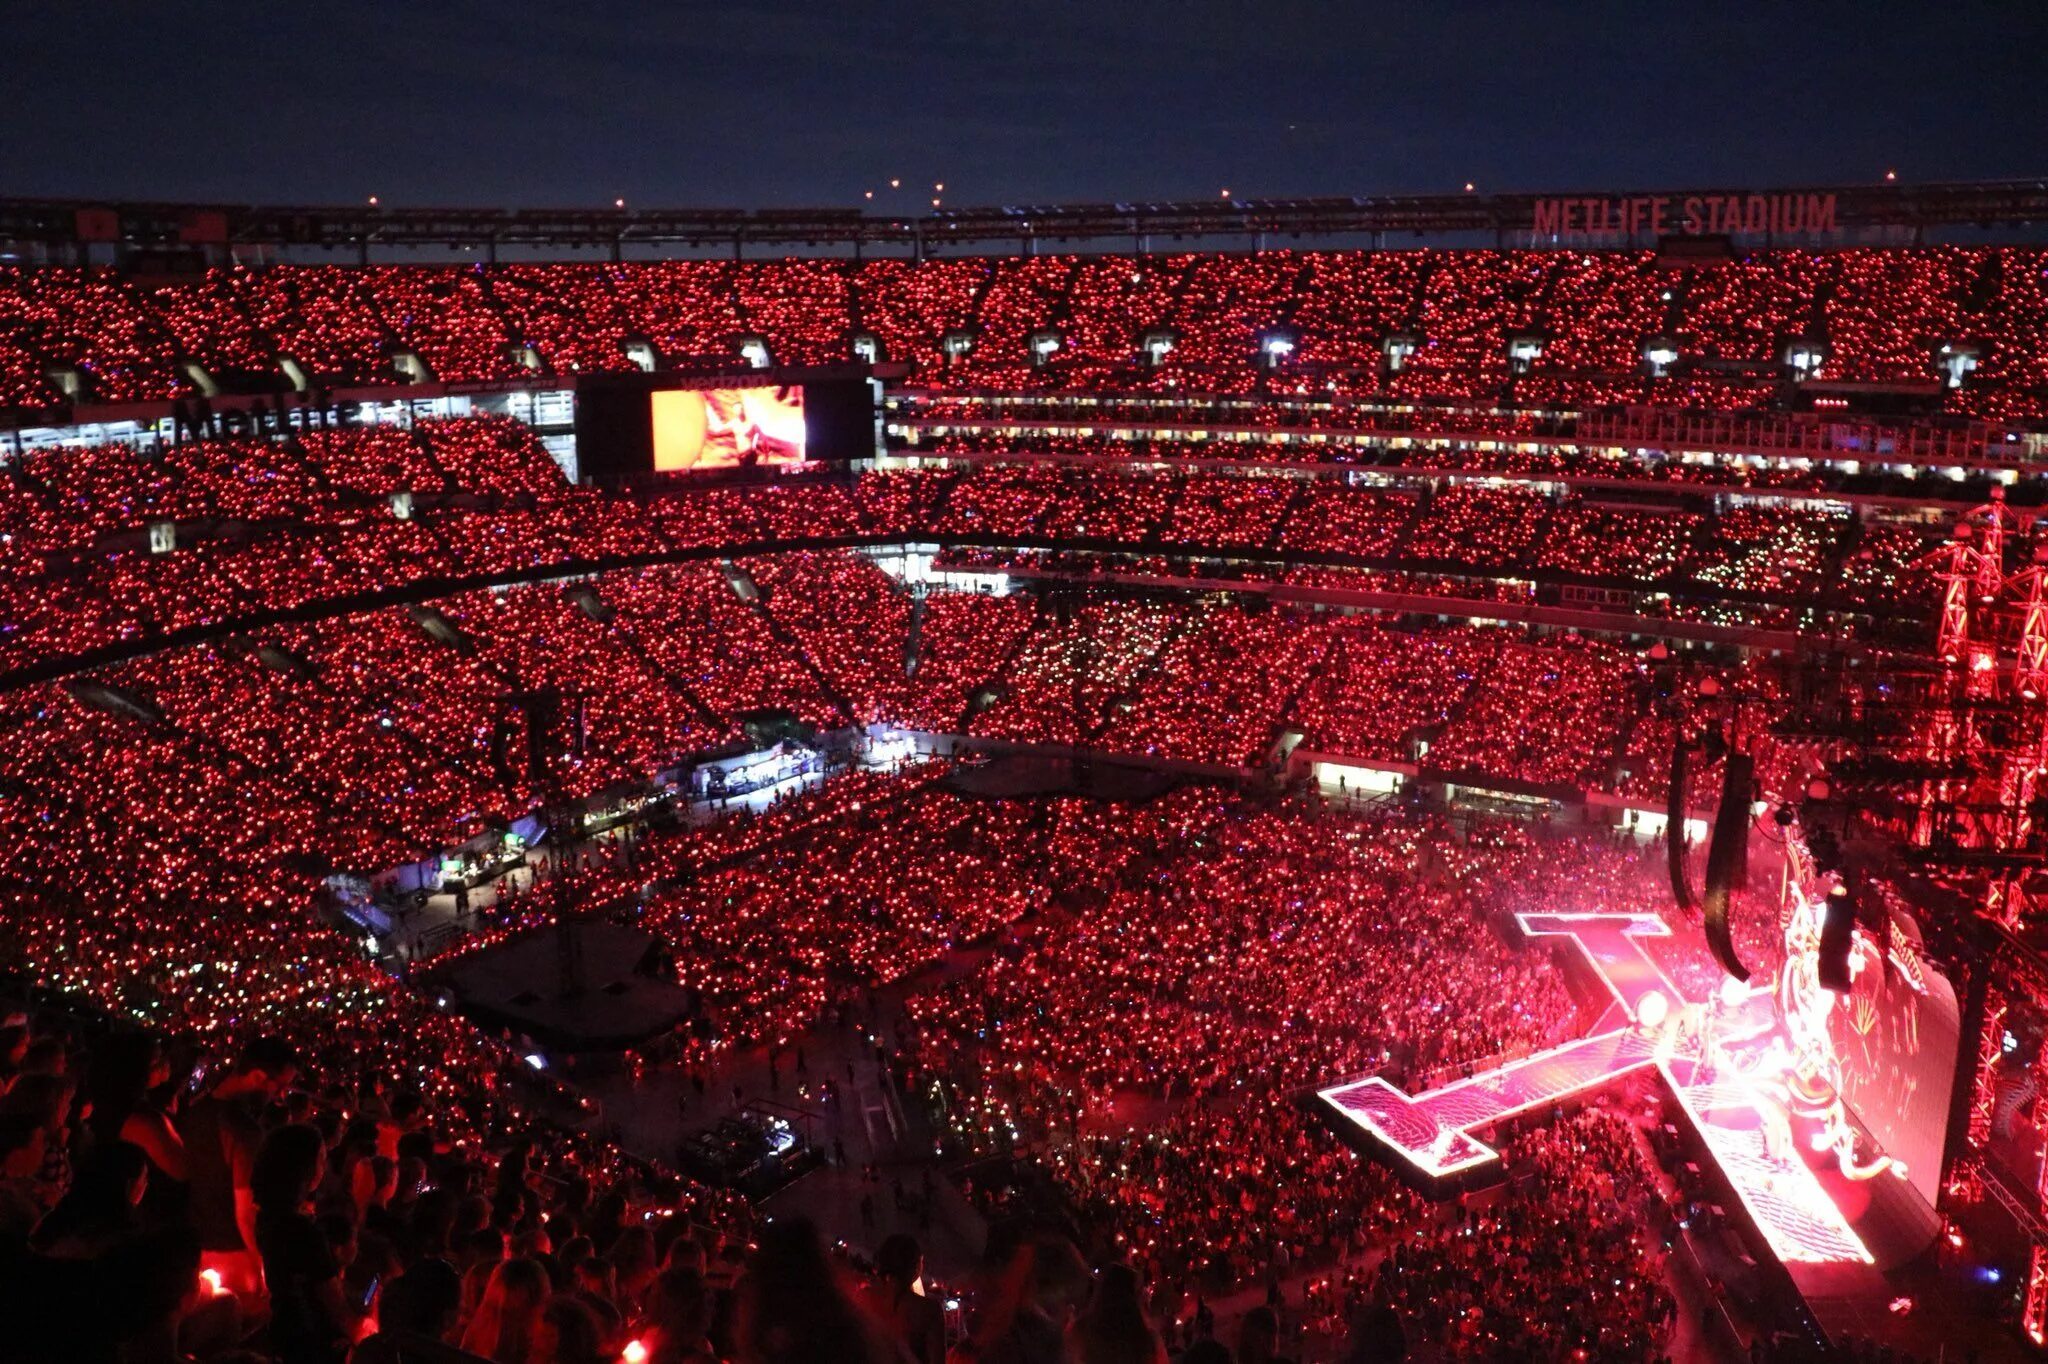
x: 1334, y: 518
x: 1227, y: 431
x: 134, y: 882
x: 398, y: 714
x: 1604, y: 541
x: 263, y: 525
x: 964, y: 642
x: 223, y: 1137
x: 1584, y: 320
x: 846, y: 615
x: 271, y: 525
x: 375, y: 713
x: 1565, y: 1265
x: 1412, y: 584
x: 230, y: 1089
x: 1226, y: 947
x: 1074, y: 668
x: 1576, y: 687
x: 1787, y: 549
x: 225, y: 1133
x: 1783, y: 548
x: 1221, y: 686
x: 1234, y: 954
x: 1779, y: 550
x: 1472, y: 523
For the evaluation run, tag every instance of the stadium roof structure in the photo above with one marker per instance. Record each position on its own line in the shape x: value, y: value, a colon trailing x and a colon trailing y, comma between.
x: 61, y: 224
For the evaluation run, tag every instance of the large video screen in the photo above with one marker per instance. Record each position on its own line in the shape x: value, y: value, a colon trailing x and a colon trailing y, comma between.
x: 724, y: 428
x: 631, y: 427
x: 1895, y: 1035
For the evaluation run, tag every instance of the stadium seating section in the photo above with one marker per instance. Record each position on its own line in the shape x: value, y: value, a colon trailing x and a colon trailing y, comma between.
x: 305, y: 525
x: 1584, y: 320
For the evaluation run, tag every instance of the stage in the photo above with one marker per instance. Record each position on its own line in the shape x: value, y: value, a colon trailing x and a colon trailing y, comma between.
x: 1762, y: 1073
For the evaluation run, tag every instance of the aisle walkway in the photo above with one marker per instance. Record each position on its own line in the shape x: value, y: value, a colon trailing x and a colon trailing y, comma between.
x: 867, y: 1124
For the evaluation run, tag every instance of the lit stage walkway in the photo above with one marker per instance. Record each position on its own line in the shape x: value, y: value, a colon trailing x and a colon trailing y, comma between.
x: 1722, y: 1085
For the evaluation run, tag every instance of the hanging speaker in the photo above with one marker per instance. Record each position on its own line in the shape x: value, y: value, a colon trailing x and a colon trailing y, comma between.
x: 543, y: 717
x: 1728, y: 860
x: 501, y: 742
x: 1674, y: 824
x: 1837, y: 930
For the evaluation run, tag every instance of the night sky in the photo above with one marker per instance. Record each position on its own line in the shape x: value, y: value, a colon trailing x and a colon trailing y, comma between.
x: 532, y: 103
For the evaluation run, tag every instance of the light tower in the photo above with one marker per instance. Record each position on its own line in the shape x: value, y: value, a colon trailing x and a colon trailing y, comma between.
x: 1957, y: 567
x: 2020, y: 771
x: 1992, y: 520
x: 2030, y: 590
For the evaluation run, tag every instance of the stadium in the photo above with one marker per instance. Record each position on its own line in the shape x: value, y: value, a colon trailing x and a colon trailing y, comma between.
x: 1437, y: 776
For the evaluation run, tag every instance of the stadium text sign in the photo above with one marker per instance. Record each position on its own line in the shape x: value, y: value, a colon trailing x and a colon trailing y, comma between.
x: 1689, y: 215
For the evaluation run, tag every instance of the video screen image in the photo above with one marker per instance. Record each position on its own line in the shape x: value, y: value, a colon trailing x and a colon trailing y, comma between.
x: 724, y: 428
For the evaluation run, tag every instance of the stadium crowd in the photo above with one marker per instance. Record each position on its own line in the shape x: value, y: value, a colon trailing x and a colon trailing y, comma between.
x: 307, y: 525
x: 1539, y: 329
x: 244, y: 673
x: 269, y: 1145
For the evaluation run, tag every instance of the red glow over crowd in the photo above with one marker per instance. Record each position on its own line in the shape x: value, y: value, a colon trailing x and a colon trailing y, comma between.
x: 242, y: 674
x: 1873, y: 315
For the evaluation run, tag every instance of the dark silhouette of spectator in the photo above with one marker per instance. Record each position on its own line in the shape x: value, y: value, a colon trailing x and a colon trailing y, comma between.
x: 1111, y: 1328
x: 896, y: 1297
x: 308, y: 1323
x: 508, y: 1319
x: 792, y: 1309
x: 221, y: 1133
